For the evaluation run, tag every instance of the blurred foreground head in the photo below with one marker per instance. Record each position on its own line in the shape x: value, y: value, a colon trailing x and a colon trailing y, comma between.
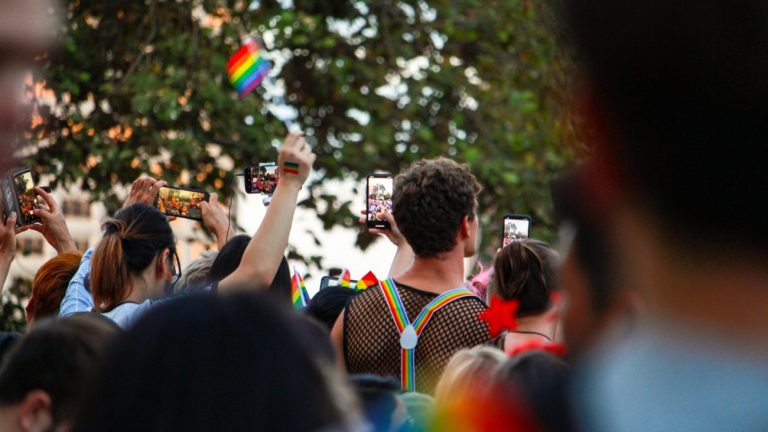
x: 27, y: 29
x: 44, y: 376
x: 675, y: 101
x: 205, y: 363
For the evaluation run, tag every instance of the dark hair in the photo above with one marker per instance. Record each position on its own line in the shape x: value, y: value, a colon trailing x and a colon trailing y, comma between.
x: 429, y: 202
x: 378, y: 396
x: 327, y: 304
x: 7, y: 341
x: 203, y: 362
x: 58, y: 357
x: 526, y: 271
x: 682, y: 90
x: 50, y: 285
x: 229, y: 258
x: 135, y: 236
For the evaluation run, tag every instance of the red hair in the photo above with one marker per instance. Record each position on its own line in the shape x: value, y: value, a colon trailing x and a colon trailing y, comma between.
x: 50, y: 285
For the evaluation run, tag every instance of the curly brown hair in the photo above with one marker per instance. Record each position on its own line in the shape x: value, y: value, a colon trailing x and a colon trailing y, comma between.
x: 430, y: 200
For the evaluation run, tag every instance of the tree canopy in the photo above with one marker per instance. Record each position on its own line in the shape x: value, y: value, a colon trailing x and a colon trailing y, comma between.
x: 141, y: 87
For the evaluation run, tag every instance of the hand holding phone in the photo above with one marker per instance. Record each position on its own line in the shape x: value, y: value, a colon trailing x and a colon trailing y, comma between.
x: 20, y: 196
x: 515, y: 228
x: 181, y: 202
x: 379, y: 190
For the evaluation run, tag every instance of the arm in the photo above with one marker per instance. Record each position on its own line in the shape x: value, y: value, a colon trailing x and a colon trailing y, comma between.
x: 404, y: 256
x: 143, y: 190
x: 216, y: 221
x: 77, y: 298
x: 7, y: 247
x: 52, y: 225
x: 337, y: 337
x: 267, y: 247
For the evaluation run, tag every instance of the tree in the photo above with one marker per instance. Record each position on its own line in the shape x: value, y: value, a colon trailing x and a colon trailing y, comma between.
x: 140, y: 87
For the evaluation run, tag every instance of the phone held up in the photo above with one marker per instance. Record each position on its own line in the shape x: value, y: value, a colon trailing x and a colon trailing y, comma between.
x: 261, y: 179
x: 515, y: 228
x: 181, y: 202
x: 19, y: 196
x: 379, y: 190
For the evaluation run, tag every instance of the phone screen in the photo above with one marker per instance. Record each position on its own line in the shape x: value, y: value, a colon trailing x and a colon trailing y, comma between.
x: 28, y: 201
x: 379, y: 197
x: 515, y: 229
x: 179, y: 202
x: 261, y: 179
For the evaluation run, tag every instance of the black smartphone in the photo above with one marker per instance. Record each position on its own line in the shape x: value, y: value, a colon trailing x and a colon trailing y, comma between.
x: 379, y: 190
x: 261, y: 179
x: 330, y: 281
x: 515, y: 228
x: 20, y: 196
x: 181, y: 202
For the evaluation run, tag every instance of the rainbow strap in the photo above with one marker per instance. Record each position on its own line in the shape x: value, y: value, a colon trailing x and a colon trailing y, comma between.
x: 409, y: 333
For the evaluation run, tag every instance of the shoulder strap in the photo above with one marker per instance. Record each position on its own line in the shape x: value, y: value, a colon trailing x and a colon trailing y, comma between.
x: 409, y: 333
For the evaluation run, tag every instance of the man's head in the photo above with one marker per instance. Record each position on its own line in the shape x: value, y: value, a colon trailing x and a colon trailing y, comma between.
x: 435, y: 207
x: 677, y: 97
x: 45, y: 374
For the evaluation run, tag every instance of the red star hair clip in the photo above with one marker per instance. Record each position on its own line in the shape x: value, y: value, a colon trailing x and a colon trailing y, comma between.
x: 502, y: 315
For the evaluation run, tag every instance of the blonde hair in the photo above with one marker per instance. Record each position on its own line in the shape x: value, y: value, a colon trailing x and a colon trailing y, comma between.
x: 468, y: 372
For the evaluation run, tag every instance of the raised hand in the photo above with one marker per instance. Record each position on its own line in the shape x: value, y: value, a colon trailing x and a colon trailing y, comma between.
x: 393, y: 233
x: 143, y: 190
x: 215, y: 220
x: 295, y: 160
x: 52, y: 225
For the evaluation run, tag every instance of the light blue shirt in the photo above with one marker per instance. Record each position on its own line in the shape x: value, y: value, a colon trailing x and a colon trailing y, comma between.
x: 78, y: 298
x: 665, y: 379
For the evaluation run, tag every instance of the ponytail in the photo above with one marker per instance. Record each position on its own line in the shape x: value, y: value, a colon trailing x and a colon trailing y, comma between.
x: 131, y: 241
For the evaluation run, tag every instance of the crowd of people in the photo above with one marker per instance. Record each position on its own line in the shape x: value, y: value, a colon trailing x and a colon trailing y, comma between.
x: 649, y: 316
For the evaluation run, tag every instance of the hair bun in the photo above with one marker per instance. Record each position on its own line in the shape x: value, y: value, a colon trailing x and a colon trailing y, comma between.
x: 114, y: 226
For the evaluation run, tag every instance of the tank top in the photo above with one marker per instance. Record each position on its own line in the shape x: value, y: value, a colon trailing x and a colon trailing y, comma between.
x: 372, y: 340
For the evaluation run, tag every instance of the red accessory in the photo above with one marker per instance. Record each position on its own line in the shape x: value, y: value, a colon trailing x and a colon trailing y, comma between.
x: 555, y: 349
x: 502, y: 315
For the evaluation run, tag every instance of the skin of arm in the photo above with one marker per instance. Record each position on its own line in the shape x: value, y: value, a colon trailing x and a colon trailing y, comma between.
x: 7, y: 247
x: 216, y: 221
x: 404, y: 257
x: 267, y: 247
x: 52, y: 224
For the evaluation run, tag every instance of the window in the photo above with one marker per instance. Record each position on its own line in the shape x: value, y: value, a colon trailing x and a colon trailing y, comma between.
x: 76, y: 207
x: 31, y: 245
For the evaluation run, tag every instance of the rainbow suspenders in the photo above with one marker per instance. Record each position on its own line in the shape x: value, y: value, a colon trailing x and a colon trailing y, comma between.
x: 409, y: 332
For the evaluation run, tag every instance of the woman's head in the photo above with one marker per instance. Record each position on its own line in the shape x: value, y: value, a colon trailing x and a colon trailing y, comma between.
x: 526, y: 271
x: 136, y: 253
x: 468, y: 374
x: 241, y: 362
x: 50, y: 285
x: 229, y: 258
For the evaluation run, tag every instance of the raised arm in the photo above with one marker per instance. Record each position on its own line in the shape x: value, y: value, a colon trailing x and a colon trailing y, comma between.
x: 7, y: 247
x: 404, y: 257
x: 52, y: 224
x: 216, y: 221
x: 265, y: 251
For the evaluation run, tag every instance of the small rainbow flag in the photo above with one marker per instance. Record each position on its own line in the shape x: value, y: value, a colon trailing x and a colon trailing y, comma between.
x: 299, y: 295
x: 248, y: 67
x: 367, y: 281
x: 291, y: 168
x: 345, y: 279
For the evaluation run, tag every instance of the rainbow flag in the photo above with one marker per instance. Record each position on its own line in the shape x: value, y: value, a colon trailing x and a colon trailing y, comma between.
x: 299, y: 295
x: 248, y: 67
x: 367, y: 281
x: 345, y: 279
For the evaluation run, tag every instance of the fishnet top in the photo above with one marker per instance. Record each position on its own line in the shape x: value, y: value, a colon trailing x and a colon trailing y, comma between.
x: 372, y: 341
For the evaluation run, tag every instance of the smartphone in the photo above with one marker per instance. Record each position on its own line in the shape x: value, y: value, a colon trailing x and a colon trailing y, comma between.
x: 20, y: 196
x: 379, y: 190
x: 181, y: 202
x: 515, y: 228
x: 261, y: 179
x: 330, y: 281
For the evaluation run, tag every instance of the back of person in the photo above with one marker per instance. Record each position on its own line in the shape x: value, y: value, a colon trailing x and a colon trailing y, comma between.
x: 410, y: 328
x: 372, y: 342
